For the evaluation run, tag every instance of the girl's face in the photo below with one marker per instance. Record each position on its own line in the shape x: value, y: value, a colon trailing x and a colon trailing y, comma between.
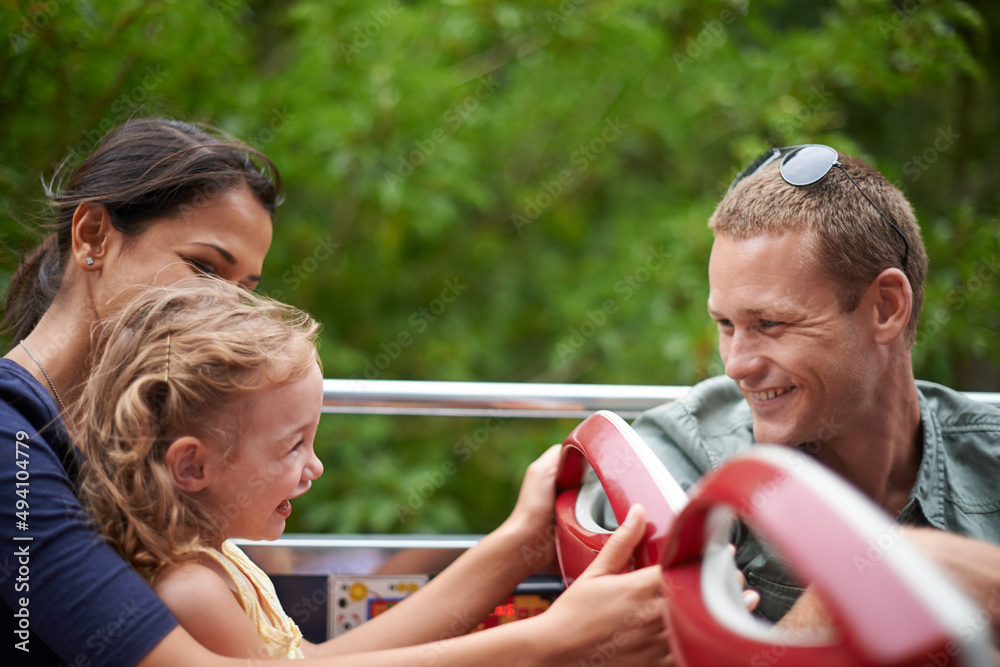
x: 227, y: 236
x: 271, y: 463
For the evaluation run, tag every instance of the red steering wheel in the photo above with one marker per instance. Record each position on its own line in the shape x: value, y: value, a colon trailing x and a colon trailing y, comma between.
x: 629, y: 473
x: 889, y: 605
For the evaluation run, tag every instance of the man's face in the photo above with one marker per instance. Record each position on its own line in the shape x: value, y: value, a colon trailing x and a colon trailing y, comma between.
x: 804, y: 367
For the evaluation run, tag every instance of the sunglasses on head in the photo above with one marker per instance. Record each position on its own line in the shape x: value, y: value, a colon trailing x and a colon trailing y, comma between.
x: 808, y: 164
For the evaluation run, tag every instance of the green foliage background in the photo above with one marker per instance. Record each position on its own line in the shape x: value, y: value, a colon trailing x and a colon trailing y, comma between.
x: 410, y: 135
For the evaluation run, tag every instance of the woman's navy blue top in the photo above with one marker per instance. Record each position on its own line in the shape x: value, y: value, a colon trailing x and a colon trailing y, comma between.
x: 69, y: 598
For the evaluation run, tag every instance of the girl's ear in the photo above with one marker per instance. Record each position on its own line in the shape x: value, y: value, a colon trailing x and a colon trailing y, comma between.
x: 187, y: 460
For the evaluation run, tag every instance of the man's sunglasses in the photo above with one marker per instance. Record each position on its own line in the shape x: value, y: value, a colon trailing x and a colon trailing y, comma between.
x: 808, y: 164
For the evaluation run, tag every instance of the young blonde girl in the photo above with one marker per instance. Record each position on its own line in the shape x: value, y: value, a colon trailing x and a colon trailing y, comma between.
x: 197, y: 426
x: 201, y: 410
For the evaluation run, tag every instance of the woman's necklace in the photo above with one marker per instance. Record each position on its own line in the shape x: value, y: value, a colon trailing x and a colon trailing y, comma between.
x: 58, y: 397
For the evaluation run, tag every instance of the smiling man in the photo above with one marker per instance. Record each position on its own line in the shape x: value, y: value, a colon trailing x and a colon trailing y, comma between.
x: 816, y: 283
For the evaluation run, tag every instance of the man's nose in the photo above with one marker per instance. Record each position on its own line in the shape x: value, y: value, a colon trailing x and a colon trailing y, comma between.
x: 743, y: 357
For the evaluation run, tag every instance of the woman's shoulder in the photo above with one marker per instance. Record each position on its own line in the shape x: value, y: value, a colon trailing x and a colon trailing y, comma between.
x: 20, y: 391
x: 28, y: 414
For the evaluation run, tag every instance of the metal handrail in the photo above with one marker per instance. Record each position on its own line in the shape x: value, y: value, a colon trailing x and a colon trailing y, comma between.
x: 508, y: 399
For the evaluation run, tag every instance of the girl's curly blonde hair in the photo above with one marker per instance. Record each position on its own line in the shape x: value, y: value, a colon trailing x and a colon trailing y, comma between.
x: 219, y: 341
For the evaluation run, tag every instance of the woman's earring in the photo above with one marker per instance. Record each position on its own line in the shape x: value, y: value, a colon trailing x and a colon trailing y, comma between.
x: 90, y: 261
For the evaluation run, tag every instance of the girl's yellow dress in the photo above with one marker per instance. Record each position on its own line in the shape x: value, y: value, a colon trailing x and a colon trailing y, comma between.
x: 278, y: 633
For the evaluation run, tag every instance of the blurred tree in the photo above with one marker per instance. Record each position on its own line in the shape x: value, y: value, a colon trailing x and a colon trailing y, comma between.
x: 518, y: 191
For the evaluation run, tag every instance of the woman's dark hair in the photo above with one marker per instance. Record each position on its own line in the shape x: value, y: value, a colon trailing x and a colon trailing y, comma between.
x: 142, y: 170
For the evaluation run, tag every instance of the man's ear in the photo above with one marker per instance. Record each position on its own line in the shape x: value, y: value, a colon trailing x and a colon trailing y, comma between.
x: 892, y: 303
x: 188, y: 460
x: 91, y: 231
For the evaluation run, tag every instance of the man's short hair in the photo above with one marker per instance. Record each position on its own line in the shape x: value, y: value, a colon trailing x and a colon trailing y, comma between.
x: 850, y: 241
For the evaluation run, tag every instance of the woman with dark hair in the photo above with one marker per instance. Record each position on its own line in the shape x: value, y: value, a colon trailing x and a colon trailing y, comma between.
x: 143, y: 171
x: 158, y: 201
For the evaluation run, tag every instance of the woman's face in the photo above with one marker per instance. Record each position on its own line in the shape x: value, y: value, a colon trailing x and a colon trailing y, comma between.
x: 227, y: 236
